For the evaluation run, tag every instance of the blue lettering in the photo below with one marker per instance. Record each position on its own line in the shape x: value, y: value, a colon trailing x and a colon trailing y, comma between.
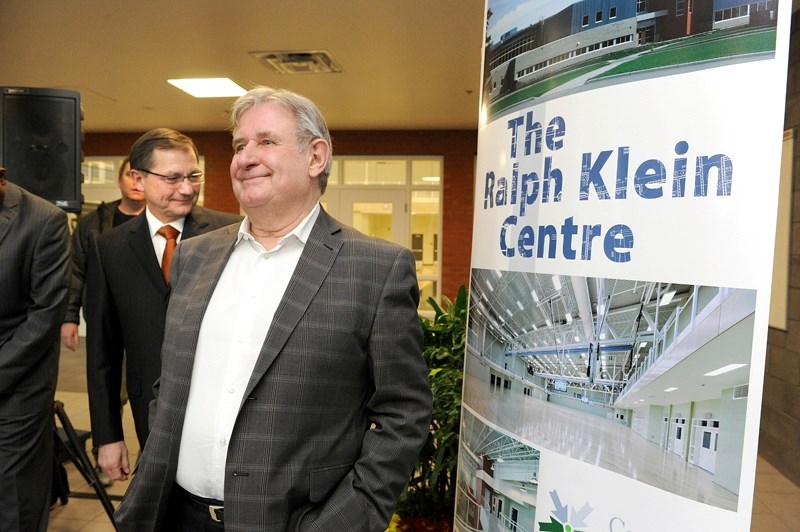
x: 525, y: 242
x: 504, y: 249
x: 616, y: 241
x: 723, y: 165
x: 679, y: 172
x: 589, y: 233
x: 623, y: 153
x: 590, y: 175
x: 501, y: 196
x: 513, y: 125
x: 649, y: 173
x: 529, y: 191
x: 547, y: 232
x: 554, y: 175
x: 514, y: 179
x: 618, y: 237
x: 568, y: 230
x: 556, y: 130
x: 488, y: 191
x: 532, y: 129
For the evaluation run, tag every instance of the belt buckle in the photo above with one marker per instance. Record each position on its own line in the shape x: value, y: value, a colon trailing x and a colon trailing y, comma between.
x: 212, y: 511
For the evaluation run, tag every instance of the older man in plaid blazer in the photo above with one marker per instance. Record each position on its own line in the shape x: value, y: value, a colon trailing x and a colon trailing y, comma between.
x: 293, y: 394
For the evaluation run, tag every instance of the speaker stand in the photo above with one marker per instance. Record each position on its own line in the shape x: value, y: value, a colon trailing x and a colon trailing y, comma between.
x: 77, y: 455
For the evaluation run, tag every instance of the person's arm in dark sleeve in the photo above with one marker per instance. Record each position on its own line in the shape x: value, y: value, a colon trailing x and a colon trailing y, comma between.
x: 48, y: 293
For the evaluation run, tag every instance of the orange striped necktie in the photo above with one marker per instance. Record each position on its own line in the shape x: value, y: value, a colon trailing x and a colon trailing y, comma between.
x: 171, y: 234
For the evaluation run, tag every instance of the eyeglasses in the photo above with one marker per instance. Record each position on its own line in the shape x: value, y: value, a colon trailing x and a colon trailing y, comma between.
x: 177, y: 179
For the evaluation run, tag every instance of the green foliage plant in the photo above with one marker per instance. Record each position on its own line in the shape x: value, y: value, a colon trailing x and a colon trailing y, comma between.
x: 431, y: 491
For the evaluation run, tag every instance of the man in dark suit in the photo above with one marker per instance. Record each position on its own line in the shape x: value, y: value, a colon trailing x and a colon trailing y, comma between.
x: 89, y: 227
x: 34, y: 263
x: 293, y: 394
x: 127, y: 293
x: 106, y: 216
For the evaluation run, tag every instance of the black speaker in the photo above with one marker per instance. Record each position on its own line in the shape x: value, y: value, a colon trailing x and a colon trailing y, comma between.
x: 40, y: 143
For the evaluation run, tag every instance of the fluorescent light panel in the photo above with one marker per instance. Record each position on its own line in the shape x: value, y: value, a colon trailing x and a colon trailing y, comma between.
x: 208, y: 87
x: 724, y: 369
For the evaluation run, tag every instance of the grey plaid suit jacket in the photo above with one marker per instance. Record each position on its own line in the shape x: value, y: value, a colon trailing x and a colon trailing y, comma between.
x: 338, y: 405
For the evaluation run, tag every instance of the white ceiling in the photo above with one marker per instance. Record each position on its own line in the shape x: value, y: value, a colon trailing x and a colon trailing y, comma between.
x: 410, y: 64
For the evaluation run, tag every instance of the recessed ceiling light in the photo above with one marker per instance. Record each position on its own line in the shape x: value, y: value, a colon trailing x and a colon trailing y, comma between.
x: 208, y: 87
x: 724, y: 369
x: 671, y: 389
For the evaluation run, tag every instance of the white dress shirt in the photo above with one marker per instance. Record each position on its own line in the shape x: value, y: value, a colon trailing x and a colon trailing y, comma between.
x: 231, y: 336
x: 159, y: 242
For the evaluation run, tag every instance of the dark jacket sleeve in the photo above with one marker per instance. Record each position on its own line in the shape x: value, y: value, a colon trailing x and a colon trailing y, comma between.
x: 104, y: 353
x: 87, y: 230
x: 34, y: 337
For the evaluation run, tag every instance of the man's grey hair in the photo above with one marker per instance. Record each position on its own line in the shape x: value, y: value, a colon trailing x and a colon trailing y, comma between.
x: 310, y: 122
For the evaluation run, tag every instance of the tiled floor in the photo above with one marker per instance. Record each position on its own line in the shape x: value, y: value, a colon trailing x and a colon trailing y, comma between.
x: 774, y: 508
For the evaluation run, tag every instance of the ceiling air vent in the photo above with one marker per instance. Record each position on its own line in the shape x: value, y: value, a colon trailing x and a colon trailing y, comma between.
x: 741, y: 391
x: 306, y: 62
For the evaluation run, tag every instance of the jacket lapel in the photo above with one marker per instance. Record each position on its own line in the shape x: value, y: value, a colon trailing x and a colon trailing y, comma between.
x: 194, y: 223
x: 9, y: 209
x: 213, y: 259
x: 315, y: 262
x: 141, y: 245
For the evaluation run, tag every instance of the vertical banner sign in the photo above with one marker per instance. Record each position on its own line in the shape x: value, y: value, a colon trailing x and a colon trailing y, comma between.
x: 625, y: 209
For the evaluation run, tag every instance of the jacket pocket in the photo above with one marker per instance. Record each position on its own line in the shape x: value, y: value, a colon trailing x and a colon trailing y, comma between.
x: 322, y: 481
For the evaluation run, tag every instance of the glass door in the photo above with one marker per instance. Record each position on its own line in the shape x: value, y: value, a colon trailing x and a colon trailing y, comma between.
x: 381, y: 213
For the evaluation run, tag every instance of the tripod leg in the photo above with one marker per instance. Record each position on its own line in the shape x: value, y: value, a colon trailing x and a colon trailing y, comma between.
x: 60, y: 486
x: 81, y: 460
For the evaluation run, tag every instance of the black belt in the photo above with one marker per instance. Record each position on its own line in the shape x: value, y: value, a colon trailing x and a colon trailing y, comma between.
x: 212, y: 507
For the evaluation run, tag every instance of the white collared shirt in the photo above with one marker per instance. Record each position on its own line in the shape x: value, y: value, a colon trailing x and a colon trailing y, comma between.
x: 232, y: 334
x: 159, y: 242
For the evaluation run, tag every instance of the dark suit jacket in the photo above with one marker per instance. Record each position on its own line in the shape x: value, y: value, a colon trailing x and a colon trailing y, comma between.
x: 34, y: 264
x: 338, y: 405
x: 125, y: 308
x: 88, y: 228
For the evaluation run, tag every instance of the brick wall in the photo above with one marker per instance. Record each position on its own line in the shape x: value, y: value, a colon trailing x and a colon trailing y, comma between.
x: 457, y: 147
x: 780, y: 409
